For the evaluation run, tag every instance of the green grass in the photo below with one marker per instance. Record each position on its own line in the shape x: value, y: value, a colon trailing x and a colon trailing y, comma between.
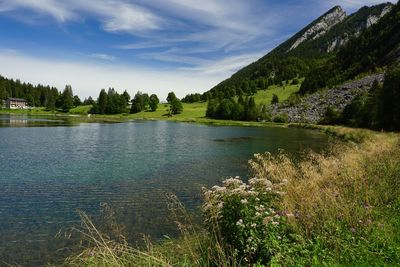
x: 283, y: 93
x: 193, y: 112
x: 81, y: 109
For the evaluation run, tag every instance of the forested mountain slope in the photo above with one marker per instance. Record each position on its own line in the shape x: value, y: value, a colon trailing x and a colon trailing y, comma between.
x: 313, y: 45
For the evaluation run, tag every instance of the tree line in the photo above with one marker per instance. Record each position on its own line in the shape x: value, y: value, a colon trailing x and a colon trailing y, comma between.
x: 39, y: 95
x: 244, y: 109
x: 111, y: 102
x: 377, y: 109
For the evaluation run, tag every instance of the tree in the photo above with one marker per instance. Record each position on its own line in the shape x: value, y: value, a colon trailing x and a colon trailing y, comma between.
x: 67, y: 99
x: 154, y: 101
x: 275, y: 99
x: 77, y: 101
x: 88, y: 101
x: 139, y: 102
x: 176, y: 106
x: 126, y: 96
x: 389, y: 99
x: 212, y: 109
x: 171, y: 97
x: 102, y: 101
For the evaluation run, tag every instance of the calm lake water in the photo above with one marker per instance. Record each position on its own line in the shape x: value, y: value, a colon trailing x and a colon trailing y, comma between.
x: 49, y: 170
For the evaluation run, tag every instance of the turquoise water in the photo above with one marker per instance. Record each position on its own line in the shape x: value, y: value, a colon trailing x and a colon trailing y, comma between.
x: 48, y: 173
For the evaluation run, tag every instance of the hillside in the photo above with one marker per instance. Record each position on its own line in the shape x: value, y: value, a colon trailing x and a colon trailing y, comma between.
x: 313, y: 45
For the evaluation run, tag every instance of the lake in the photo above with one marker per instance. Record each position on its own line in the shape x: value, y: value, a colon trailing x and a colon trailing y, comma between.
x: 49, y: 169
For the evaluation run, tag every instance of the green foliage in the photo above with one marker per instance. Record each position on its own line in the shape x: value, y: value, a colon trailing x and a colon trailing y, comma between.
x: 389, y: 101
x: 295, y: 81
x: 77, y: 101
x: 67, y: 99
x: 153, y: 102
x: 110, y: 103
x: 192, y: 98
x: 337, y: 210
x: 176, y: 106
x: 280, y: 118
x: 228, y: 109
x: 331, y: 116
x: 140, y: 102
x: 89, y: 101
x: 39, y: 95
x: 377, y: 109
x: 171, y: 96
x: 275, y: 99
x: 126, y: 96
x: 247, y: 218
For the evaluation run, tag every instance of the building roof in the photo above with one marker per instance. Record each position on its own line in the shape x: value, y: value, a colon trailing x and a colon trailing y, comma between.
x: 16, y: 99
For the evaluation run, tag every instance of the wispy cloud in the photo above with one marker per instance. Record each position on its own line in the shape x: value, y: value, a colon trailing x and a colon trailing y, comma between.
x: 57, y: 9
x: 115, y: 15
x: 225, y: 65
x: 103, y: 57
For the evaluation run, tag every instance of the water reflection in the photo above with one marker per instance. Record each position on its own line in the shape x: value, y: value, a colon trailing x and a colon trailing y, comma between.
x: 15, y: 120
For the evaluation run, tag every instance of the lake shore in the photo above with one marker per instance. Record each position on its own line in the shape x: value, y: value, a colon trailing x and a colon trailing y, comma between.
x: 354, y: 182
x: 145, y: 116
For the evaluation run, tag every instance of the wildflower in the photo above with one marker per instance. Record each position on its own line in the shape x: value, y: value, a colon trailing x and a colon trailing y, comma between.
x: 275, y: 223
x: 244, y: 201
x: 254, y: 225
x: 258, y: 214
x: 279, y: 237
x: 239, y: 222
x: 267, y: 220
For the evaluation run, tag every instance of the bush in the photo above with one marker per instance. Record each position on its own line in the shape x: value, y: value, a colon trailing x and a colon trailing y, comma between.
x: 247, y: 216
x: 293, y: 100
x: 280, y: 118
x: 275, y: 99
x: 332, y: 116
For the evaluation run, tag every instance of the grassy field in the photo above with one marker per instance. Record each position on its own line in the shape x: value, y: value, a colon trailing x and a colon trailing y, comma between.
x: 193, y: 112
x: 283, y: 93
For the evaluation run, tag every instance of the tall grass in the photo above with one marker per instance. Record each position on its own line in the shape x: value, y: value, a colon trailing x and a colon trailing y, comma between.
x: 340, y: 208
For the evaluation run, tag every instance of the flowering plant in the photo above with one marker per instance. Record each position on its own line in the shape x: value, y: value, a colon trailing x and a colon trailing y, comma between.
x: 246, y: 215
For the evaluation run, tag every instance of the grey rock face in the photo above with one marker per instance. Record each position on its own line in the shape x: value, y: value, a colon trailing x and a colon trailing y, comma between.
x: 371, y: 20
x: 312, y: 108
x: 321, y: 27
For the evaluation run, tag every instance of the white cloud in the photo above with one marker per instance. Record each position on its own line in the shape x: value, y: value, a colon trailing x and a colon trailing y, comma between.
x: 225, y: 65
x: 115, y: 15
x: 57, y: 9
x: 103, y: 57
x: 88, y: 78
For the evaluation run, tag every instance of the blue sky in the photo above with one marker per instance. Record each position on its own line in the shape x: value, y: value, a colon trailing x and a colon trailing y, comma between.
x: 150, y: 45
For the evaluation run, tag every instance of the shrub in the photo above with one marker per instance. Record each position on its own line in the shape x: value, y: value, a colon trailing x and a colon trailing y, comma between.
x: 248, y: 215
x: 280, y: 118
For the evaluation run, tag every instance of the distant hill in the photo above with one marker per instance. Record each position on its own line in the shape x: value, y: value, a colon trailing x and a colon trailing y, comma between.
x: 314, y: 45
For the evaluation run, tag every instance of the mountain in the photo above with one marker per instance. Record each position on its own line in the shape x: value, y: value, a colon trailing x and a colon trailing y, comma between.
x: 312, y: 46
x: 373, y: 49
